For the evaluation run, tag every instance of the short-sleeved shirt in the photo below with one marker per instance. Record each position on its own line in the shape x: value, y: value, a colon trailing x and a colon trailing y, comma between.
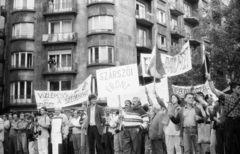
x: 43, y: 120
x: 189, y: 117
x: 229, y: 104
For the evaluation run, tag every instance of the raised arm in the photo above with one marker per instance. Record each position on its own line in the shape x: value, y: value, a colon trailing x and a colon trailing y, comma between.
x: 212, y: 87
x: 149, y: 99
x: 160, y: 102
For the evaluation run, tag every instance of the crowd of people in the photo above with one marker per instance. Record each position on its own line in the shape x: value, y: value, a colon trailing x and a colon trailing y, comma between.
x: 194, y: 124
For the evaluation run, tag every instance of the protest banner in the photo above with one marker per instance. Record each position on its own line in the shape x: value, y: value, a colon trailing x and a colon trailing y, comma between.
x: 161, y: 89
x: 117, y: 80
x: 172, y: 65
x: 51, y: 99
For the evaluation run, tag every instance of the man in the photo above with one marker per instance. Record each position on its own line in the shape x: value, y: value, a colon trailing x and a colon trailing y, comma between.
x: 1, y: 136
x: 84, y: 137
x: 13, y: 134
x: 21, y: 135
x: 188, y: 117
x: 135, y: 120
x: 56, y: 146
x: 43, y: 134
x: 95, y: 124
x: 231, y: 111
x: 6, y: 133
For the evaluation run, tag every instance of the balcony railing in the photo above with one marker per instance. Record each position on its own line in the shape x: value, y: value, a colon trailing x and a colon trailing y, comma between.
x: 22, y: 66
x: 192, y: 17
x: 176, y: 32
x: 100, y: 1
x: 144, y: 15
x: 143, y: 42
x: 22, y: 37
x: 193, y: 39
x: 176, y: 9
x: 21, y: 99
x: 59, y: 37
x: 23, y: 8
x: 95, y: 62
x: 60, y: 68
x: 100, y: 31
x: 53, y: 8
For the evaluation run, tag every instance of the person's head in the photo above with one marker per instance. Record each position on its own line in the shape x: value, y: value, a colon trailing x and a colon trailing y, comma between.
x: 136, y: 102
x: 92, y: 98
x: 175, y: 99
x: 43, y: 110
x: 4, y: 117
x: 209, y: 99
x: 72, y: 112
x: 76, y: 113
x: 235, y: 87
x: 26, y: 115
x: 146, y: 107
x: 10, y: 116
x: 15, y: 116
x: 188, y: 98
x: 201, y: 94
x: 21, y: 116
x: 128, y: 103
x: 58, y: 110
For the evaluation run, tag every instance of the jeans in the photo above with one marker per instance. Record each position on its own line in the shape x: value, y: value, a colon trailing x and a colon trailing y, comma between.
x: 94, y: 136
x: 84, y: 143
x: 131, y: 141
x: 190, y: 139
x: 76, y: 139
x: 118, y: 147
x: 173, y: 144
x: 43, y: 145
x: 22, y: 143
x: 13, y: 145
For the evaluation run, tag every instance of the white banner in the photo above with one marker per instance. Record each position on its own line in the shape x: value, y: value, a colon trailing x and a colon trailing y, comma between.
x: 51, y: 99
x: 161, y: 89
x: 117, y: 80
x: 173, y: 65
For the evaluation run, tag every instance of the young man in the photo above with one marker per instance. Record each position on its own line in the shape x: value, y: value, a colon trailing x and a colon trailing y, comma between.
x: 231, y: 111
x: 13, y: 134
x: 135, y: 120
x: 188, y: 117
x: 6, y: 133
x: 95, y: 124
x: 22, y: 136
x: 43, y: 134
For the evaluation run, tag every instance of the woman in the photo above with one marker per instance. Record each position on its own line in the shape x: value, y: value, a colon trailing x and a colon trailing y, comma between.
x: 172, y: 131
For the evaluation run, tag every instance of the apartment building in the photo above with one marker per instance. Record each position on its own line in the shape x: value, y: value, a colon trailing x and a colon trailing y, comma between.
x: 56, y: 44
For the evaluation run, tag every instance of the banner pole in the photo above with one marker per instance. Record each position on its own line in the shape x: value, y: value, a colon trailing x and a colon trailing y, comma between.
x: 120, y: 112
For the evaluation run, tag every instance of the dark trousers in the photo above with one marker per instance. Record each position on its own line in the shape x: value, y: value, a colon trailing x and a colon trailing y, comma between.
x: 157, y: 146
x: 132, y: 140
x: 220, y: 141
x: 232, y: 135
x: 6, y: 143
x: 13, y: 145
x: 94, y: 137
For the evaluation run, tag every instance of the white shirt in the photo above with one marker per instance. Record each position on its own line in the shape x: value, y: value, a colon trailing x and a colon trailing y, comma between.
x: 92, y: 115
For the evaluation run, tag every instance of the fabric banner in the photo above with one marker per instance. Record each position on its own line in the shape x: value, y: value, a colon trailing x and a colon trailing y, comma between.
x: 117, y: 80
x: 51, y: 99
x: 161, y: 89
x: 172, y: 65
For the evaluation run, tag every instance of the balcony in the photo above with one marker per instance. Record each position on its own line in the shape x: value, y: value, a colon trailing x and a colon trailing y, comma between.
x: 2, y: 33
x: 144, y: 18
x: 109, y: 62
x: 59, y: 38
x: 100, y: 31
x: 193, y: 40
x: 21, y: 99
x: 176, y: 9
x: 61, y: 68
x: 3, y: 11
x: 144, y: 45
x: 22, y: 67
x: 192, y: 18
x: 176, y: 33
x: 94, y: 2
x: 60, y: 8
x: 22, y: 37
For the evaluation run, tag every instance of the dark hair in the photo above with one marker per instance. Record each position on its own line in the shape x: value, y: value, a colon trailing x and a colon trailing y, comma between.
x: 200, y: 93
x: 92, y: 96
x: 128, y: 101
x: 233, y: 85
x: 44, y: 108
x: 117, y: 112
x: 145, y: 107
x: 178, y: 98
x: 188, y: 94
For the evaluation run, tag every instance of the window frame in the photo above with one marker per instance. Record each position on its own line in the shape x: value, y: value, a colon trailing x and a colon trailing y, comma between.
x: 161, y: 18
x: 60, y: 84
x: 22, y: 6
x: 92, y: 24
x: 20, y: 35
x: 19, y: 65
x: 92, y: 55
x: 60, y: 26
x: 17, y: 98
x: 59, y: 64
x: 159, y: 44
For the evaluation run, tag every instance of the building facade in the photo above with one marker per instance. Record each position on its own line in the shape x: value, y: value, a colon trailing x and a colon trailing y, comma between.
x: 56, y: 44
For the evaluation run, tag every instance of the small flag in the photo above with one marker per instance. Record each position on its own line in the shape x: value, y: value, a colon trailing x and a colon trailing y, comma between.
x: 155, y: 67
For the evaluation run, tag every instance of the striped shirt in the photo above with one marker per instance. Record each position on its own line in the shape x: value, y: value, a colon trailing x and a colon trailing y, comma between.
x: 135, y: 117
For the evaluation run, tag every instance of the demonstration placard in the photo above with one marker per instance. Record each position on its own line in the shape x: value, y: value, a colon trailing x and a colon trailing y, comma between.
x: 173, y: 65
x: 161, y: 89
x: 51, y: 99
x: 117, y: 80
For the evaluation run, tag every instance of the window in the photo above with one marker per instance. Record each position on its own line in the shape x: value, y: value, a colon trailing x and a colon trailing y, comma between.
x: 174, y: 24
x: 22, y: 60
x: 55, y: 27
x: 162, y: 42
x: 161, y: 17
x: 23, y: 4
x: 62, y: 5
x: 59, y: 85
x: 140, y: 10
x: 23, y: 30
x: 100, y: 24
x: 21, y: 92
x: 101, y: 54
x: 141, y: 37
x: 187, y: 10
x: 62, y: 58
x: 93, y: 1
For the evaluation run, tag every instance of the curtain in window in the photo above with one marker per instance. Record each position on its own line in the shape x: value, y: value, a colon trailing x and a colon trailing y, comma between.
x: 66, y: 26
